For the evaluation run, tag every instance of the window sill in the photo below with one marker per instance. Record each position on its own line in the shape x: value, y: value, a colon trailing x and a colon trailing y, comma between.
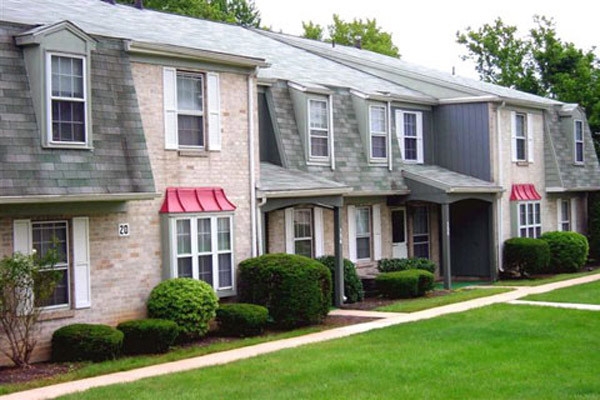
x: 192, y: 153
x: 579, y: 164
x: 322, y: 163
x: 522, y: 163
x: 68, y: 146
x: 49, y: 315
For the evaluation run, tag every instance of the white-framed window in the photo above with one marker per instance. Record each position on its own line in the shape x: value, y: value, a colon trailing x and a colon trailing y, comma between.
x: 578, y: 141
x: 378, y: 132
x: 522, y: 133
x: 190, y: 109
x: 521, y: 136
x: 420, y: 234
x: 529, y: 219
x: 363, y: 233
x: 67, y: 99
x: 564, y: 215
x: 303, y: 232
x: 49, y: 235
x: 318, y: 129
x: 204, y: 249
x: 409, y: 130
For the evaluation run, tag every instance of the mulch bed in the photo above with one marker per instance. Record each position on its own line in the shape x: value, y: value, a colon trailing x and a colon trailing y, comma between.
x: 47, y: 369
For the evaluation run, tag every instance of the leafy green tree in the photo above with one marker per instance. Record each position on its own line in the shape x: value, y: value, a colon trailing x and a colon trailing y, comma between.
x: 538, y: 62
x: 370, y: 36
x: 241, y: 12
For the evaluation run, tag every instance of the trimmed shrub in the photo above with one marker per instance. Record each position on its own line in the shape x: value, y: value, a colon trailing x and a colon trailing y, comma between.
x: 568, y: 251
x: 403, y: 264
x: 242, y: 319
x: 525, y: 256
x: 353, y: 288
x: 86, y: 342
x: 404, y: 284
x: 148, y: 336
x: 295, y: 289
x: 188, y: 302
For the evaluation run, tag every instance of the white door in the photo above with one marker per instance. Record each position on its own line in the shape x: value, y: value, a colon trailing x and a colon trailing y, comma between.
x: 399, y: 245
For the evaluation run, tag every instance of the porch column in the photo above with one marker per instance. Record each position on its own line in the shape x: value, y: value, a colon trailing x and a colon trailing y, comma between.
x: 338, y: 276
x: 446, y: 246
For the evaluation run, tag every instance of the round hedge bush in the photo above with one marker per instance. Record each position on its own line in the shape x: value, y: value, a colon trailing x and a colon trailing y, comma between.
x: 525, y: 256
x: 295, y: 289
x: 86, y: 342
x: 148, y: 336
x: 353, y: 288
x: 404, y: 284
x: 242, y: 319
x: 568, y: 251
x: 188, y: 302
x: 403, y: 264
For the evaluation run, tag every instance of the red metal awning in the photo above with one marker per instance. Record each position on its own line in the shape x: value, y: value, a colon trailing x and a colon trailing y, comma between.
x: 524, y: 192
x: 193, y: 200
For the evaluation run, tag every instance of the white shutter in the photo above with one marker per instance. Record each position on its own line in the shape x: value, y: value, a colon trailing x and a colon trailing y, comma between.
x: 289, y: 231
x: 318, y: 233
x: 400, y: 132
x: 530, y: 136
x: 22, y: 241
x: 559, y: 214
x: 352, y: 233
x: 376, y: 232
x: 170, y: 107
x: 419, y: 118
x: 574, y: 214
x: 214, y: 111
x: 513, y: 135
x: 81, y: 262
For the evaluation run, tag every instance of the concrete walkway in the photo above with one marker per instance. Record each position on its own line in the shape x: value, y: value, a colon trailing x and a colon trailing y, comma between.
x: 387, y: 319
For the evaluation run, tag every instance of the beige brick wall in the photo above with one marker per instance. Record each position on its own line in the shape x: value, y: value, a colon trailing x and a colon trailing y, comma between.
x: 125, y: 269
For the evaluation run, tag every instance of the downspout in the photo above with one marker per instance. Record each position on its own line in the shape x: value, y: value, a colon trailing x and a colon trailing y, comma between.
x: 500, y: 214
x: 389, y: 129
x: 332, y: 152
x: 251, y: 161
x: 259, y: 227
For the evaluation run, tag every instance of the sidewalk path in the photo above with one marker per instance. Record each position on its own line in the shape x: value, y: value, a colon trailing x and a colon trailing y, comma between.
x: 387, y: 319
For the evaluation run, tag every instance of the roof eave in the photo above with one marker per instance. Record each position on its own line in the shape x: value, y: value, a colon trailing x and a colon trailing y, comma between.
x: 281, y: 194
x: 78, y: 198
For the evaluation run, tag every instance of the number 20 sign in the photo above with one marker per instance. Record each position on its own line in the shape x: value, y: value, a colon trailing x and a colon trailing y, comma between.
x: 124, y: 229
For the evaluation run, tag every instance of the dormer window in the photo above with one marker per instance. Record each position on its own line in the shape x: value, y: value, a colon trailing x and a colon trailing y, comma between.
x: 578, y: 142
x: 318, y: 133
x: 67, y: 99
x: 378, y: 132
x: 409, y: 130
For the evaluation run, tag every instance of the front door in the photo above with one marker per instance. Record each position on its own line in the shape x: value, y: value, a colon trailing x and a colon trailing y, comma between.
x: 399, y: 246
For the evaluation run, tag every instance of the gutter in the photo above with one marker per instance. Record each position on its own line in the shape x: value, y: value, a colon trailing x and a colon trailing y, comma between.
x: 78, y: 198
x: 281, y: 194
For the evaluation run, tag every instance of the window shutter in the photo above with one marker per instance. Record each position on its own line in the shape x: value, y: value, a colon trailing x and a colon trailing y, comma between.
x: 400, y: 132
x: 559, y: 214
x: 352, y: 233
x: 289, y: 231
x: 513, y: 135
x: 376, y: 232
x: 419, y: 138
x: 573, y: 215
x: 530, y: 136
x: 22, y: 241
x: 318, y: 232
x: 170, y: 107
x: 214, y: 111
x: 81, y: 262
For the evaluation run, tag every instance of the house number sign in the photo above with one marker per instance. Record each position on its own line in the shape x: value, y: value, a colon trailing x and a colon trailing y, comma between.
x: 124, y: 229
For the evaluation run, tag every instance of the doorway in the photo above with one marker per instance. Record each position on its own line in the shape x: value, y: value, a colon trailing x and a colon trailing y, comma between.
x: 399, y: 244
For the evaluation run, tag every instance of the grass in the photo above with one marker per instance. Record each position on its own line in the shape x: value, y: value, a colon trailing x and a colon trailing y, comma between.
x: 588, y: 293
x: 88, y: 370
x: 495, y: 352
x: 543, y: 281
x: 424, y: 303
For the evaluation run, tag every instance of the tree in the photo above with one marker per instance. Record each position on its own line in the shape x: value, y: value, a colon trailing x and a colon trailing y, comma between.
x: 538, y: 63
x: 367, y: 33
x: 241, y: 12
x: 26, y: 282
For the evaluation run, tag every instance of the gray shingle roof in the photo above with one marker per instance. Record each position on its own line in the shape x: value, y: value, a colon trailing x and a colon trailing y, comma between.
x: 447, y: 180
x: 391, y: 68
x: 287, y: 62
x: 119, y: 163
x: 277, y: 179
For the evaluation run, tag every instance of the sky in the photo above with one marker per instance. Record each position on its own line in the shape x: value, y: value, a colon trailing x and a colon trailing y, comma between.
x: 425, y: 31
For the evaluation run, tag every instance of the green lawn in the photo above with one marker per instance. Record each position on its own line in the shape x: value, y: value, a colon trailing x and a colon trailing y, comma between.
x: 424, y: 303
x: 539, y: 282
x: 588, y: 293
x: 496, y: 352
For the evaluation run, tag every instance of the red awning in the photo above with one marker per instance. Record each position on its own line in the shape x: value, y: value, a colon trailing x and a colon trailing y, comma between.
x: 524, y: 192
x: 193, y: 200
